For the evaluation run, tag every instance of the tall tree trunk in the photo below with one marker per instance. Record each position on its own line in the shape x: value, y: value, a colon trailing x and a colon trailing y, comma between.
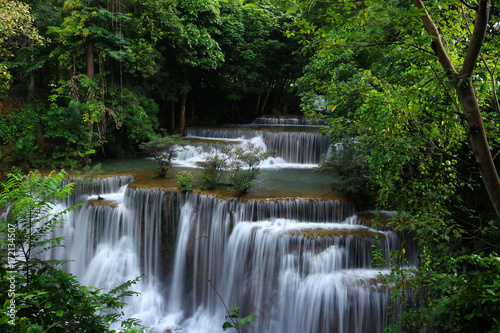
x: 265, y: 102
x: 172, y: 125
x: 258, y: 105
x: 90, y: 74
x: 182, y: 123
x: 192, y: 109
x: 90, y: 59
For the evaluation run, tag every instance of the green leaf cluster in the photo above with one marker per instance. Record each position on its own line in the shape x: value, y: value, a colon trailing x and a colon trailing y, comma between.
x: 163, y: 150
x: 39, y: 296
x: 185, y: 179
x: 239, y: 165
x: 236, y: 322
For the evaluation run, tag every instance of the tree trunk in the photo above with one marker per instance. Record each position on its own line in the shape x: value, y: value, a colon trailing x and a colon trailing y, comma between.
x: 192, y: 110
x: 258, y: 105
x: 265, y: 102
x: 172, y: 125
x: 480, y: 145
x: 182, y: 123
x: 90, y: 59
x: 90, y: 74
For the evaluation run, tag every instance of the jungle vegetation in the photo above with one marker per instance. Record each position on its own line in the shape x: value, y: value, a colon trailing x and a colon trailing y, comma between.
x: 410, y: 87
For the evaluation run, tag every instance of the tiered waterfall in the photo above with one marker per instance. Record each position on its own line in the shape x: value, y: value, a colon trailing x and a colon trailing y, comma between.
x: 300, y: 264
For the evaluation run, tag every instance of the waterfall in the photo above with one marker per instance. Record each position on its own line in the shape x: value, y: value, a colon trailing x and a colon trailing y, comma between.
x: 118, y: 239
x: 292, y: 121
x: 300, y: 265
x: 292, y: 147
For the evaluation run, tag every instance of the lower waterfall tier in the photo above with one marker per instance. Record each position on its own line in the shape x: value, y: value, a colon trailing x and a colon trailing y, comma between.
x: 299, y: 265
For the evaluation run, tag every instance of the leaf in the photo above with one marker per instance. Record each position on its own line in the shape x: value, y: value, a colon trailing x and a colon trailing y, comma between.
x: 4, y: 319
x: 248, y: 319
x: 227, y: 325
x: 59, y: 313
x: 35, y: 329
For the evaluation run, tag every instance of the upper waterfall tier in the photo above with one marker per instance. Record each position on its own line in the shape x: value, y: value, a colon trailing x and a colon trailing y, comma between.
x: 284, y: 121
x: 292, y: 147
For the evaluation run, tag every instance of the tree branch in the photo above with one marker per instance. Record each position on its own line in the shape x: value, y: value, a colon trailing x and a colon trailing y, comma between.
x: 481, y: 22
x: 336, y: 2
x: 490, y: 72
x: 466, y: 4
x: 432, y: 30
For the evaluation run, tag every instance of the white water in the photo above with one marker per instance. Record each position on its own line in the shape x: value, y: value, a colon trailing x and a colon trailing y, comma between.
x: 293, y: 149
x: 293, y: 282
x: 300, y: 265
x: 286, y: 121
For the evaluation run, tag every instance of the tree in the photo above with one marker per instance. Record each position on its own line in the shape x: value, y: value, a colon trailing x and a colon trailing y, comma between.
x: 39, y: 296
x: 197, y: 48
x: 164, y: 150
x: 17, y: 28
x: 462, y: 82
x: 259, y: 59
x: 243, y: 165
x: 214, y: 165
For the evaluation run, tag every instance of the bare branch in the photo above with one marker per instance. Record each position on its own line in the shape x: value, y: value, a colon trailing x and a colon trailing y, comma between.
x: 490, y: 72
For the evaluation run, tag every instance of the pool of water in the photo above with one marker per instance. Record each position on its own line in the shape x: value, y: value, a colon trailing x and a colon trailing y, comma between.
x: 270, y: 183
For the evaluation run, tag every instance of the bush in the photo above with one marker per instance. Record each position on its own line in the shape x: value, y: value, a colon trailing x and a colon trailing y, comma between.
x: 38, y: 295
x: 349, y: 171
x: 213, y: 168
x: 185, y: 180
x: 243, y: 167
x: 164, y: 150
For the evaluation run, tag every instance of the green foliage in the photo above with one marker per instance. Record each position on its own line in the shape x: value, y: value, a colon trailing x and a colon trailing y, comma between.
x: 16, y: 30
x: 236, y: 322
x: 240, y: 165
x: 201, y: 20
x: 67, y: 135
x: 213, y: 166
x: 375, y: 80
x: 164, y: 150
x: 23, y: 132
x: 243, y: 166
x: 146, y: 54
x: 39, y: 296
x: 185, y: 179
x: 36, y: 136
x: 350, y: 173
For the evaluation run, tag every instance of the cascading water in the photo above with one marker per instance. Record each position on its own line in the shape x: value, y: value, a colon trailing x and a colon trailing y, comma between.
x: 292, y: 147
x: 115, y: 240
x: 284, y: 121
x: 313, y: 275
x: 300, y: 265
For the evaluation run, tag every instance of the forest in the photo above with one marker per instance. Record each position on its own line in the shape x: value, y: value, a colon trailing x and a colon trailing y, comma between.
x: 407, y: 89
